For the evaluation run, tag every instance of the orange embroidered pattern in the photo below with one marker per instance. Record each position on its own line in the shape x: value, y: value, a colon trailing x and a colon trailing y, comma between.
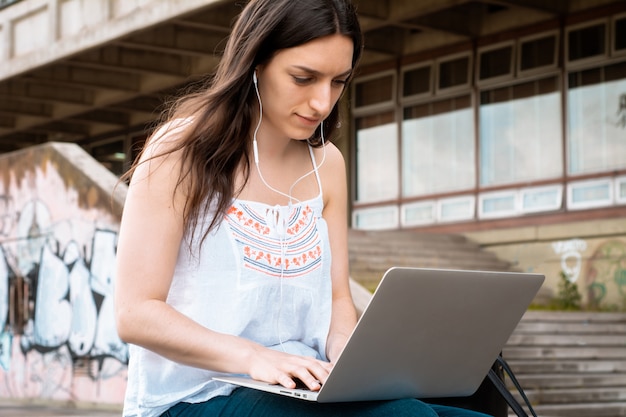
x: 290, y: 253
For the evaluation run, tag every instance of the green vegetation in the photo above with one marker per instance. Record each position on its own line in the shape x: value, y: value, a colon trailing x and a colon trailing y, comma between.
x: 568, y: 297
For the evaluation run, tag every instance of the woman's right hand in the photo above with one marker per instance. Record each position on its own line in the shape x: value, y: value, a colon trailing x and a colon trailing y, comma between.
x: 282, y: 368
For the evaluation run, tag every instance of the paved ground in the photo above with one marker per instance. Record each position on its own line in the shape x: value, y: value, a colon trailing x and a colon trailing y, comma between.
x: 22, y: 410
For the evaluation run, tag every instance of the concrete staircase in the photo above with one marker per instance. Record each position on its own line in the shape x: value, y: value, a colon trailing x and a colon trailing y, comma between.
x: 372, y: 253
x: 571, y: 363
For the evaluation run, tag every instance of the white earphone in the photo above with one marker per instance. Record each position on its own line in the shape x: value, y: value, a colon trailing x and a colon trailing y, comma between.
x: 255, y: 149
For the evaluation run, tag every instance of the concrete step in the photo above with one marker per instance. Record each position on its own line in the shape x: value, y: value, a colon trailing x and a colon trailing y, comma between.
x: 372, y: 253
x: 565, y: 339
x: 512, y: 352
x: 587, y: 380
x: 573, y: 395
x: 557, y: 328
x: 568, y: 366
x: 414, y: 240
x: 402, y: 253
x: 616, y: 409
x: 589, y: 317
x: 570, y: 363
x: 405, y: 236
x: 377, y: 264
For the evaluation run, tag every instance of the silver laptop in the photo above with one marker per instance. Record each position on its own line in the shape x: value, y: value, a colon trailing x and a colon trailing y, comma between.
x: 426, y: 333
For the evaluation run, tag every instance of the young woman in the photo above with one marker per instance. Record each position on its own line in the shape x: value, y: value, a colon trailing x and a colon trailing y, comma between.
x: 232, y: 254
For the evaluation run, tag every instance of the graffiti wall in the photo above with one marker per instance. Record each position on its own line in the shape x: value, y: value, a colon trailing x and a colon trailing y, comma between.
x: 58, y: 234
x: 591, y: 254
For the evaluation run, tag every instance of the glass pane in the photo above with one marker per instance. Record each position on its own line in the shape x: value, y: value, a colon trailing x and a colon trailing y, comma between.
x: 378, y: 90
x: 438, y: 148
x: 416, y: 81
x: 586, y: 42
x: 498, y: 204
x: 538, y: 53
x: 597, y: 121
x: 454, y: 72
x: 496, y: 62
x: 377, y: 158
x: 588, y: 194
x: 620, y: 34
x: 520, y: 135
x: 457, y: 209
x: 378, y: 218
x: 541, y: 199
x: 419, y: 213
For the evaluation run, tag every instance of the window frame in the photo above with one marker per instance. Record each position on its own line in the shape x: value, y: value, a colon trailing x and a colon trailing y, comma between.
x: 586, y: 205
x: 377, y: 107
x: 471, y: 204
x: 619, y: 199
x: 499, y: 78
x: 543, y: 69
x: 613, y: 36
x: 576, y: 64
x: 558, y: 199
x: 420, y: 96
x: 393, y: 210
x: 456, y: 88
x: 422, y: 203
x: 482, y: 197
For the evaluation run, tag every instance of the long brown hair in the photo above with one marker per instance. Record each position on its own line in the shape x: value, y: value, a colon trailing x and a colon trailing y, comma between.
x: 217, y: 141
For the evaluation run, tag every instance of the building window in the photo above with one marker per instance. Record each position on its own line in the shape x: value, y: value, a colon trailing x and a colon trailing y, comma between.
x: 498, y: 204
x: 438, y: 147
x: 589, y: 194
x: 456, y: 209
x: 376, y: 91
x: 377, y: 158
x: 417, y: 81
x: 495, y: 63
x: 376, y: 218
x: 586, y: 42
x: 420, y: 213
x: 597, y: 119
x: 454, y: 73
x: 538, y: 53
x: 537, y: 199
x: 520, y: 133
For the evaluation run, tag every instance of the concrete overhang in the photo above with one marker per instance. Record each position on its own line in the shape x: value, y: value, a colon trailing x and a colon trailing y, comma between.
x: 82, y: 70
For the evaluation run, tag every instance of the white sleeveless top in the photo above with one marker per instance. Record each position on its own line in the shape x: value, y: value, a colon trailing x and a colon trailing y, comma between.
x: 263, y: 274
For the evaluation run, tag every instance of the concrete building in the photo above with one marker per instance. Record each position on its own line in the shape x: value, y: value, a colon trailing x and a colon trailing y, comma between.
x: 503, y: 120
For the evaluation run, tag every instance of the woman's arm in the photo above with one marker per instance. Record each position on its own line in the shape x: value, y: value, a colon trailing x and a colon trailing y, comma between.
x: 151, y: 233
x: 344, y: 315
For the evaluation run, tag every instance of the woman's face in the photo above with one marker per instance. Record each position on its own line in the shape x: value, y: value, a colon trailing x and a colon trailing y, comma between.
x: 300, y: 86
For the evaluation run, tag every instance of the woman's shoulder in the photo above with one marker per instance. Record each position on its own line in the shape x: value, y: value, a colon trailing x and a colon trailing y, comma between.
x: 170, y: 131
x: 333, y: 159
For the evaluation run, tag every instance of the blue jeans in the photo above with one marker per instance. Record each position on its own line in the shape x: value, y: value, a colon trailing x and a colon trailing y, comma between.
x: 244, y: 402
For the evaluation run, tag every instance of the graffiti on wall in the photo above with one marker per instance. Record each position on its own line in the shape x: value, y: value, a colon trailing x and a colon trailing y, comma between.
x: 602, y: 276
x: 606, y: 275
x: 56, y: 303
x: 571, y: 256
